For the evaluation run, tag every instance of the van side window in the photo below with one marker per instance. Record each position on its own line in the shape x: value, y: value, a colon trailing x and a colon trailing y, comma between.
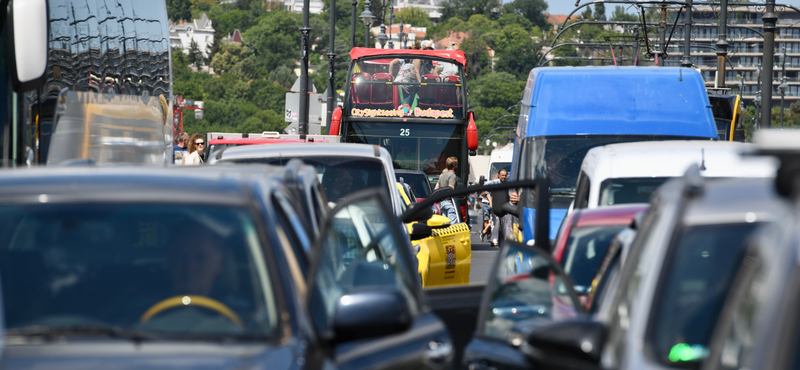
x: 582, y: 194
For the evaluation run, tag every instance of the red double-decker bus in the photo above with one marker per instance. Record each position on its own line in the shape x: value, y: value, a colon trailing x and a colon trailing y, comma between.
x: 414, y: 104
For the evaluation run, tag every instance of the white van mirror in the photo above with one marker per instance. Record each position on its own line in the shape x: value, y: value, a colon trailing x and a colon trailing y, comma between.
x: 28, y: 41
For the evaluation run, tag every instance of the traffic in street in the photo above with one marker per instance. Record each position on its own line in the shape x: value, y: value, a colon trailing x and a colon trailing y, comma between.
x: 468, y: 197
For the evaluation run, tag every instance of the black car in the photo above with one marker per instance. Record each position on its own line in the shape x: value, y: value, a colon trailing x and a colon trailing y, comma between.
x: 417, y: 180
x: 195, y: 268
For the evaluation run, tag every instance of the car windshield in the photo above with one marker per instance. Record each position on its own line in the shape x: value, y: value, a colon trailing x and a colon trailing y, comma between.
x: 622, y: 191
x: 585, y: 250
x: 418, y: 183
x: 175, y: 270
x: 497, y: 166
x: 340, y: 176
x: 559, y: 158
x: 414, y: 146
x: 419, y: 87
x: 698, y: 273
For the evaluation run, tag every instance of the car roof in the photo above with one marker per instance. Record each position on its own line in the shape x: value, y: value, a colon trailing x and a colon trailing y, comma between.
x: 409, y: 172
x: 140, y: 184
x: 671, y: 158
x: 743, y: 200
x: 621, y: 214
x: 301, y: 150
x: 609, y: 100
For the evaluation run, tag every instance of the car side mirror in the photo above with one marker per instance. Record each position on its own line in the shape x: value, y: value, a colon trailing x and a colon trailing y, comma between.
x: 422, y: 216
x: 370, y: 312
x: 571, y: 344
x: 420, y: 231
x: 28, y: 40
x: 481, y: 180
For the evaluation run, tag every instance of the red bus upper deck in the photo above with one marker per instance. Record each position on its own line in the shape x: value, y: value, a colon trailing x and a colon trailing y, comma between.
x: 411, y: 102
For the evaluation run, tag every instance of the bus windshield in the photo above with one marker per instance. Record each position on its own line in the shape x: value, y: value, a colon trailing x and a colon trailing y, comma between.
x: 420, y: 87
x: 413, y: 146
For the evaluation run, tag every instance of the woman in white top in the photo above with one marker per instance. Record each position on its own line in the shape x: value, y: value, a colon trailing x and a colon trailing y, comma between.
x: 196, y: 146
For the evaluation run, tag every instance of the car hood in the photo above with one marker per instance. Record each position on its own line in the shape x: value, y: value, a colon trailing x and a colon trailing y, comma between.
x: 113, y: 354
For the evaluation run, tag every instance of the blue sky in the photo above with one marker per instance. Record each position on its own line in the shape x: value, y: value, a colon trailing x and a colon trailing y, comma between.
x: 566, y: 6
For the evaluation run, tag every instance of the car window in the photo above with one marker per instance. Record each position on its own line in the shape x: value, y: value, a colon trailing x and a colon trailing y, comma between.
x: 527, y: 286
x: 698, y: 273
x: 361, y: 247
x: 340, y: 176
x: 628, y: 190
x: 585, y: 249
x: 418, y: 183
x: 740, y: 340
x: 294, y: 227
x: 189, y: 271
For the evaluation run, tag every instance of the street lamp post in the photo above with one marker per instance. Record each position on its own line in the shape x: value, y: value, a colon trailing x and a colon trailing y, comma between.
x: 783, y: 86
x: 401, y: 35
x: 306, y: 31
x: 367, y: 17
x: 331, y: 57
x: 353, y: 23
x: 769, y: 18
x: 382, y: 36
x: 390, y: 17
x: 757, y: 100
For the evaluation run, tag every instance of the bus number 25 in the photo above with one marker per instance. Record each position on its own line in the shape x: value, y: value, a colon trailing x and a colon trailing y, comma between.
x: 404, y: 132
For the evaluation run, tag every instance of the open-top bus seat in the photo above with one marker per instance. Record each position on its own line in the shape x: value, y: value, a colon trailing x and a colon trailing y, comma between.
x: 429, y: 95
x: 382, y: 94
x: 451, y: 94
x: 359, y: 90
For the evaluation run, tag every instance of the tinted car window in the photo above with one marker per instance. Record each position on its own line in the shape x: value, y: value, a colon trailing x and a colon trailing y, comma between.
x: 586, y: 248
x: 178, y: 270
x: 339, y: 175
x: 624, y: 191
x: 419, y: 184
x: 698, y: 273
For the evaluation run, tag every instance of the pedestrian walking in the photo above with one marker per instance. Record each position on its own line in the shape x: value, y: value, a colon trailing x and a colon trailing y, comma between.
x: 179, y: 148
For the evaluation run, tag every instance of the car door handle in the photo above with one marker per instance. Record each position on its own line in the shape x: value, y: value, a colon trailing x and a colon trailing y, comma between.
x: 438, y: 353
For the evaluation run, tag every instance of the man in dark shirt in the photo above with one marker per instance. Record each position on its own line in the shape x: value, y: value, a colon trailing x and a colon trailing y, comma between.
x: 179, y: 149
x: 449, y: 178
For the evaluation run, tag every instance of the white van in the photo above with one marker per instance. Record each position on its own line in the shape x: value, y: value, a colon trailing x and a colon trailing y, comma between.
x: 630, y: 172
x: 500, y: 159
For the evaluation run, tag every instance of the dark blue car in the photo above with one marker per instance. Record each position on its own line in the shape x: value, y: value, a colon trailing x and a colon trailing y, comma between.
x: 205, y: 268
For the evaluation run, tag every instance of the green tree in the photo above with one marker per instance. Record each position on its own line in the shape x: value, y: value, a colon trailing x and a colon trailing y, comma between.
x: 566, y: 51
x: 600, y: 12
x: 225, y: 23
x: 245, y: 69
x: 179, y: 9
x: 465, y: 9
x: 283, y: 76
x: 587, y: 14
x: 232, y: 54
x: 499, y: 89
x: 619, y: 15
x: 414, y: 16
x: 516, y: 51
x: 275, y: 39
x: 195, y: 55
x: 532, y: 10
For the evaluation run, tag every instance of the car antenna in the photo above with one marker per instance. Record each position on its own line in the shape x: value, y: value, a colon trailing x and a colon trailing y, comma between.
x: 702, y: 159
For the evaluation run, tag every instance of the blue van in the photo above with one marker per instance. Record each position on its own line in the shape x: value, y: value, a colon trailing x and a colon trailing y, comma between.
x: 568, y: 110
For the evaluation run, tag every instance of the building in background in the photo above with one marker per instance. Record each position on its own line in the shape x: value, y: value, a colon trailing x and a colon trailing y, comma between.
x: 199, y: 30
x: 745, y: 30
x: 432, y: 7
x: 315, y: 6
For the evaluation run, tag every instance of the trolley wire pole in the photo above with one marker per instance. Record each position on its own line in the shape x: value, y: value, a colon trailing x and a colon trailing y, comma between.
x: 769, y: 18
x: 306, y: 30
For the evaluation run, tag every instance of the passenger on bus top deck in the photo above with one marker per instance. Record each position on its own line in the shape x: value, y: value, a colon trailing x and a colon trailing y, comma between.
x: 447, y: 69
x: 410, y: 71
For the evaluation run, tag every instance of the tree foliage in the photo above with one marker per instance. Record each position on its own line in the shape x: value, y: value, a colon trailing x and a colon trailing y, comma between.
x: 619, y: 15
x: 532, y: 10
x: 179, y: 9
x: 414, y: 16
x: 599, y: 12
x: 465, y: 9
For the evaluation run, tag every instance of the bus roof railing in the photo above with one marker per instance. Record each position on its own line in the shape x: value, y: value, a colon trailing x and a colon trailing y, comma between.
x: 456, y: 55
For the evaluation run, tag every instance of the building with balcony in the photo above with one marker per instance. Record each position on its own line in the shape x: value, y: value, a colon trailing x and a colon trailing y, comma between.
x: 745, y: 51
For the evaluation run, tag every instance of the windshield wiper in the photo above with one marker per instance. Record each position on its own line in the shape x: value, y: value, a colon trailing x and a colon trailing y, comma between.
x: 50, y: 332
